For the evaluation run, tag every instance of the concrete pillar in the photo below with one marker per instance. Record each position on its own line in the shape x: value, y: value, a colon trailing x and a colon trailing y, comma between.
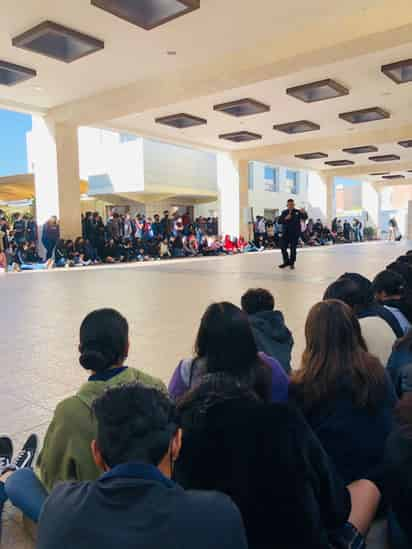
x: 330, y: 199
x: 55, y: 159
x: 409, y: 222
x: 233, y: 187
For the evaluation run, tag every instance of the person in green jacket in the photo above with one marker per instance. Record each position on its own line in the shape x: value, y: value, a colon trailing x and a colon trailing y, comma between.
x: 104, y: 346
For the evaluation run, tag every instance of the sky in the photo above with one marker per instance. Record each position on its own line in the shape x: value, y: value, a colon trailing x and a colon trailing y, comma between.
x: 13, y: 153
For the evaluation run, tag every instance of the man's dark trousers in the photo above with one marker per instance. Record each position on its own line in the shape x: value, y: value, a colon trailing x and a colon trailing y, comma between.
x: 292, y: 243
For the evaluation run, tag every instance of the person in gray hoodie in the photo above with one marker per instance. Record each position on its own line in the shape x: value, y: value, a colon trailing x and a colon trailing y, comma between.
x: 272, y: 336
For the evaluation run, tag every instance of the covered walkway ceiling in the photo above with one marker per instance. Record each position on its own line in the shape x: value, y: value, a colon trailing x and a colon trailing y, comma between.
x: 223, y: 52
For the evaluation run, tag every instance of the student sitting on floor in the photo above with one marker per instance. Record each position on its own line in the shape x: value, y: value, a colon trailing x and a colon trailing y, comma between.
x: 389, y: 289
x: 104, y: 346
x: 380, y: 328
x: 400, y: 365
x: 225, y: 343
x: 344, y: 392
x: 267, y: 459
x: 272, y: 336
x: 398, y: 477
x: 134, y: 503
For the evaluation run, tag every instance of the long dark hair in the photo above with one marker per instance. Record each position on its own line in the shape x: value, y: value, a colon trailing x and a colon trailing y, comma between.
x: 225, y: 340
x: 104, y: 340
x: 335, y: 350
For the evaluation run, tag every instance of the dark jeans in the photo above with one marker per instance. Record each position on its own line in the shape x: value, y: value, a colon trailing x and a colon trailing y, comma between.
x: 49, y: 249
x: 25, y: 491
x: 289, y: 242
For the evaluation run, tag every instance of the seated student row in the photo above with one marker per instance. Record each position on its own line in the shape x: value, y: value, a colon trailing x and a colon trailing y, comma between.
x: 235, y: 419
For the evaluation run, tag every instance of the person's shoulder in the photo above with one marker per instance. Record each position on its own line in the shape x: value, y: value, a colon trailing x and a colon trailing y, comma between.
x: 207, y: 504
x: 147, y: 379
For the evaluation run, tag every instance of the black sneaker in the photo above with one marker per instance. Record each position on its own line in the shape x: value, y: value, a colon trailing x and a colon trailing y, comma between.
x: 284, y: 265
x: 26, y: 455
x: 6, y: 452
x: 292, y: 267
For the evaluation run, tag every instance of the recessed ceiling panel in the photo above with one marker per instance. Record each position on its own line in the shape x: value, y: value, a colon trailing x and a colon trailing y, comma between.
x: 10, y: 74
x: 240, y: 137
x: 318, y: 91
x: 147, y: 14
x: 379, y: 173
x: 400, y: 72
x: 242, y: 107
x: 385, y: 158
x: 181, y: 120
x: 339, y: 162
x: 407, y: 143
x: 300, y: 126
x: 361, y: 150
x: 58, y: 42
x: 393, y: 176
x: 365, y: 115
x: 311, y: 156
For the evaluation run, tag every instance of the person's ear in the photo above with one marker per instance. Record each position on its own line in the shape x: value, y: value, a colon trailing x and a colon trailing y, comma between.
x: 176, y: 445
x: 97, y: 457
x: 126, y: 352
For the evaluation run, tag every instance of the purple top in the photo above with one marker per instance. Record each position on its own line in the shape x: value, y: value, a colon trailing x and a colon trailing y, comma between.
x: 184, y: 377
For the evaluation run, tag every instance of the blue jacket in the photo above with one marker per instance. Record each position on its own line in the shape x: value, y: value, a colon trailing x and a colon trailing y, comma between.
x: 400, y: 369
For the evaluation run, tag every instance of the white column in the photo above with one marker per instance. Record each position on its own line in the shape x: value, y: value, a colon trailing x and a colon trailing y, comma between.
x: 321, y: 196
x: 409, y: 222
x: 55, y: 157
x: 232, y: 182
x: 330, y: 199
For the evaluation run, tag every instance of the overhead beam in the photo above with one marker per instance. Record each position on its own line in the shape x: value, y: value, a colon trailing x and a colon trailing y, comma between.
x: 372, y: 167
x: 384, y: 26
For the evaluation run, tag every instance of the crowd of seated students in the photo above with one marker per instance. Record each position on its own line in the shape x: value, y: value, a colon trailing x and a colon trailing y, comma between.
x: 123, y: 238
x: 239, y: 450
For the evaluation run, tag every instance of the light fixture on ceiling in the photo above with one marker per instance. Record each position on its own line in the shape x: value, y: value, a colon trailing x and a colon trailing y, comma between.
x: 400, y: 72
x: 171, y: 52
x: 242, y: 107
x: 361, y: 150
x: 300, y: 126
x: 181, y: 120
x: 318, y: 91
x: 147, y: 14
x: 337, y: 163
x: 364, y: 115
x: 11, y: 74
x: 379, y: 173
x: 311, y: 156
x: 58, y: 42
x: 385, y: 158
x: 240, y: 137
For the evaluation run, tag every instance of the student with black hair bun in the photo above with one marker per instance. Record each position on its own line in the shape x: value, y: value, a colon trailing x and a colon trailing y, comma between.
x: 104, y: 347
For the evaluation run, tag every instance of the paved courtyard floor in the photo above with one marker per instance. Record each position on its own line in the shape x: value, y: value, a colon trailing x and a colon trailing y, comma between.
x: 41, y: 313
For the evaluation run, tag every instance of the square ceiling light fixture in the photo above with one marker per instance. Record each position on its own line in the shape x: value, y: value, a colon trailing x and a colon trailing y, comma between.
x: 181, y: 121
x: 311, y: 156
x: 339, y: 163
x: 300, y: 126
x: 364, y: 115
x: 379, y: 173
x: 10, y: 74
x: 242, y: 107
x: 400, y: 176
x: 407, y: 143
x: 147, y: 14
x: 318, y: 91
x: 361, y: 150
x: 58, y: 42
x: 385, y: 158
x: 399, y: 72
x: 240, y: 137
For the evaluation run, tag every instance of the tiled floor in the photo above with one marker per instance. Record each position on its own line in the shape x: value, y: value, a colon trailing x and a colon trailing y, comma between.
x: 41, y: 314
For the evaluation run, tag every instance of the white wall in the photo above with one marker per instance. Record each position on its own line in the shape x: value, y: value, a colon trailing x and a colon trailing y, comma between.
x: 317, y: 197
x: 166, y: 164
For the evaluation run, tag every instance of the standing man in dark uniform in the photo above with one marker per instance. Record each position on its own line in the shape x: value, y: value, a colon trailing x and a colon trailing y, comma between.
x: 291, y: 230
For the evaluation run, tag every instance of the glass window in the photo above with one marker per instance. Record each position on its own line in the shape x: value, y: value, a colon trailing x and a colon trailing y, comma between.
x: 126, y: 137
x: 292, y: 181
x: 270, y: 179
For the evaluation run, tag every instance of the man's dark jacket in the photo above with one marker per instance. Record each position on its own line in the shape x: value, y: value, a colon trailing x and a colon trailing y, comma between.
x: 134, y: 506
x: 292, y: 228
